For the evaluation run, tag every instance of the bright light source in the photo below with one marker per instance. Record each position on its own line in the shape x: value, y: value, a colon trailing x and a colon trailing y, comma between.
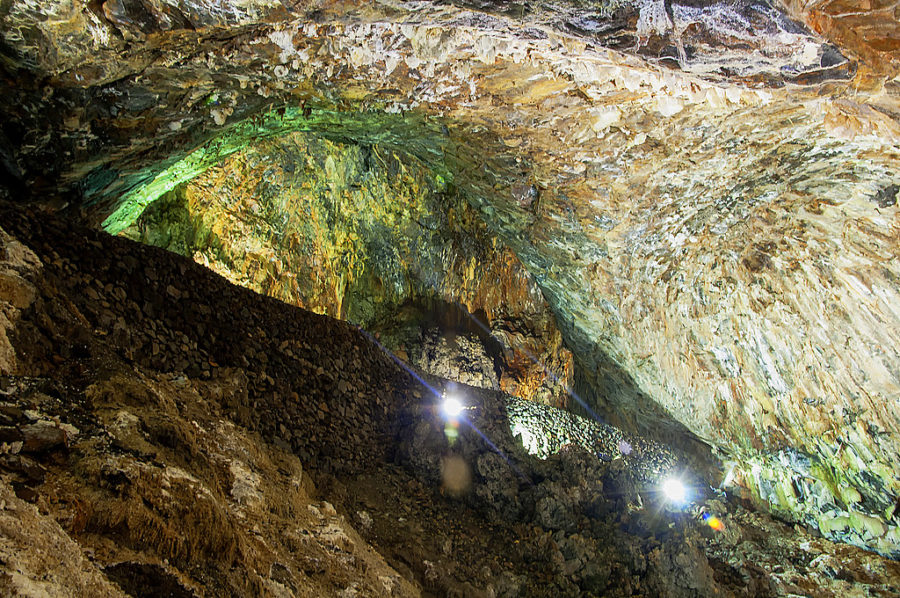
x: 452, y: 406
x: 674, y: 490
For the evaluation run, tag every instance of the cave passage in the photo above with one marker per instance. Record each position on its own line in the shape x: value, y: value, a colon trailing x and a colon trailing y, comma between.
x: 248, y: 247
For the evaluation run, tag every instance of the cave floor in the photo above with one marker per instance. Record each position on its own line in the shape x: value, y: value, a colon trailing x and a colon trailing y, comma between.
x: 167, y: 433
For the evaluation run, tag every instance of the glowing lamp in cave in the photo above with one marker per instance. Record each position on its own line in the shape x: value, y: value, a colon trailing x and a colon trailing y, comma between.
x: 674, y: 491
x: 452, y: 406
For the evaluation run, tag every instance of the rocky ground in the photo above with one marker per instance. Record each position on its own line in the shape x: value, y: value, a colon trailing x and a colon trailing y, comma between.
x: 165, y: 433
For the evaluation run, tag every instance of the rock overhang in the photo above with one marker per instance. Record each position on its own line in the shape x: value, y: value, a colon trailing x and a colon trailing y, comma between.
x: 718, y: 244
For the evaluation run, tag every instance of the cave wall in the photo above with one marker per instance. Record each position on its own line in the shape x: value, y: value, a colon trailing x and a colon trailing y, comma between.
x: 371, y: 236
x: 716, y: 238
x: 868, y: 30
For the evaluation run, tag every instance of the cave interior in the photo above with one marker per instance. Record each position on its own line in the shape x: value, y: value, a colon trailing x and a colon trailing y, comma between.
x: 450, y: 298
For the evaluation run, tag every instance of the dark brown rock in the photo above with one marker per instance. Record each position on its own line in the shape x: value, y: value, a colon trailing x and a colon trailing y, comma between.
x: 42, y: 437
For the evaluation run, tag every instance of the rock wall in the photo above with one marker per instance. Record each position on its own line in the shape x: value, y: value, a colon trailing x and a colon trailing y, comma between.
x: 867, y: 30
x: 152, y: 452
x: 456, y: 357
x: 17, y: 264
x: 147, y: 314
x: 368, y: 235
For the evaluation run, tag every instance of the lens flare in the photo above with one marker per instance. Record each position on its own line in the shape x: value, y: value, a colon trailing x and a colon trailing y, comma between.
x: 452, y: 406
x: 674, y: 491
x: 713, y: 522
x: 452, y: 429
x: 456, y: 475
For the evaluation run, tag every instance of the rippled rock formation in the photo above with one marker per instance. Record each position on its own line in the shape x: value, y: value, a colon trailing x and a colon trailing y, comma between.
x: 705, y: 193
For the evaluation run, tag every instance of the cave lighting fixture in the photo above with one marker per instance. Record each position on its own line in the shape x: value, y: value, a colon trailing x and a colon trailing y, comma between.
x: 452, y: 406
x: 674, y: 491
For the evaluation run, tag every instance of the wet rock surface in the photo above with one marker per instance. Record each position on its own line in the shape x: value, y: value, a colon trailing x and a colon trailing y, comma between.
x: 144, y: 472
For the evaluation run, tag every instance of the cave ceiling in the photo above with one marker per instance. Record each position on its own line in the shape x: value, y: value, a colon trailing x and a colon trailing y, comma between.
x: 704, y: 192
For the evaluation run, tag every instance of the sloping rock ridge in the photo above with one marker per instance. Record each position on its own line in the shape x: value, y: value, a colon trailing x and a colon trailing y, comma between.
x: 372, y: 237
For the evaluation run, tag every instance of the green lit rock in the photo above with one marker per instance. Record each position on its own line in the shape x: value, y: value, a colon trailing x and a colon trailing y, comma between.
x: 366, y: 234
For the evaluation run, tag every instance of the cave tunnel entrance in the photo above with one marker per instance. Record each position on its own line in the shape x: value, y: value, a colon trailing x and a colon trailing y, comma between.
x: 352, y: 213
x: 371, y: 235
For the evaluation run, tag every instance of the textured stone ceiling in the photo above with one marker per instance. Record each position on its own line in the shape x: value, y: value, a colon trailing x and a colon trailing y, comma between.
x: 704, y: 192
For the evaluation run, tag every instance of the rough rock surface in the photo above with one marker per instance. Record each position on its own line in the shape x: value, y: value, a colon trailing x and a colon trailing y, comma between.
x: 864, y: 29
x: 369, y: 236
x: 705, y: 193
x: 459, y: 358
x: 17, y: 263
x: 143, y: 473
